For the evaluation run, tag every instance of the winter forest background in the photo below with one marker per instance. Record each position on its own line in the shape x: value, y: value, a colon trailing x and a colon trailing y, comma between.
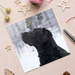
x: 28, y: 55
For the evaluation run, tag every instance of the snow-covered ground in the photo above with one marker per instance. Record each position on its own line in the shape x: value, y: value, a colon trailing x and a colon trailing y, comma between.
x: 29, y: 58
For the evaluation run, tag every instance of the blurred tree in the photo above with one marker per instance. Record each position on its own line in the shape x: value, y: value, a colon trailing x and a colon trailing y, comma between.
x: 29, y: 23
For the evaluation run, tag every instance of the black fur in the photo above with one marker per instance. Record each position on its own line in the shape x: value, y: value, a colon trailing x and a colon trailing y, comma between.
x: 42, y: 39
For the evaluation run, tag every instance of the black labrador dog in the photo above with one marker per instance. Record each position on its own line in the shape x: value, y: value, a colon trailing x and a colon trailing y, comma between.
x: 47, y: 48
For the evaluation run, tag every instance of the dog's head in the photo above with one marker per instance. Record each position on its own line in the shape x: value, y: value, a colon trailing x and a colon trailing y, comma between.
x: 37, y: 36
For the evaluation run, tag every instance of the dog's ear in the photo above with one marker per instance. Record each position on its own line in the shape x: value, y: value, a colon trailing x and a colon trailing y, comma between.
x: 46, y: 35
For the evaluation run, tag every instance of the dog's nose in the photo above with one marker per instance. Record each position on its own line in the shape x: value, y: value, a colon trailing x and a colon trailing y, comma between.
x: 24, y: 33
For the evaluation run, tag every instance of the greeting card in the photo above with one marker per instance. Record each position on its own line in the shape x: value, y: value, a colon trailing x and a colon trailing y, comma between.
x: 38, y: 40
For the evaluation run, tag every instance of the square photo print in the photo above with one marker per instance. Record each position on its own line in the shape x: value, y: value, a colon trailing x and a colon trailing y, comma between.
x: 38, y: 40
